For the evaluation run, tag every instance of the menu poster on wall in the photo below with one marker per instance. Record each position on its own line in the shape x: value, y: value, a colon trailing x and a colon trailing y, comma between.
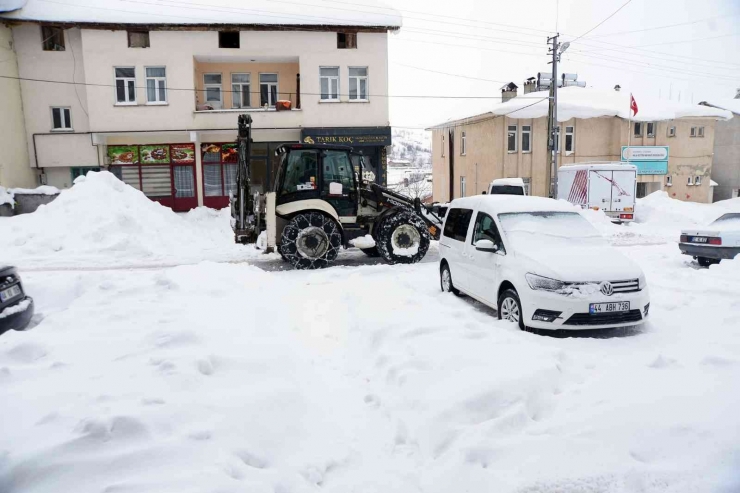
x: 157, y: 154
x: 229, y: 153
x: 211, y: 153
x: 183, y: 153
x: 123, y: 154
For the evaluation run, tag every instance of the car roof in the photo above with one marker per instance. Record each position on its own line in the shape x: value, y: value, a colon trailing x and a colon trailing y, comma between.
x: 498, y: 204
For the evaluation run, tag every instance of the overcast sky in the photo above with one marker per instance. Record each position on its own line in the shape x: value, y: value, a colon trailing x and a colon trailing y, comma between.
x: 501, y: 41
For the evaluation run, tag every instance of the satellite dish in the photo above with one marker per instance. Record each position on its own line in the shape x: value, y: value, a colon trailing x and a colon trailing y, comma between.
x: 564, y: 46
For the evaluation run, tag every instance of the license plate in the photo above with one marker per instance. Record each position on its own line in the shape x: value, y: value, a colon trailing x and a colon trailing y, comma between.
x: 619, y: 306
x: 9, y: 293
x: 698, y: 239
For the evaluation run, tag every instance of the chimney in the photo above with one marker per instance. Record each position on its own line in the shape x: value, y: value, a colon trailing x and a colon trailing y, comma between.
x: 530, y: 85
x: 508, y: 91
x: 617, y: 87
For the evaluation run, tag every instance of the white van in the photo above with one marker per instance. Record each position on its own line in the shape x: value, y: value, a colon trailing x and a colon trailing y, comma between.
x: 540, y: 263
x: 608, y: 187
x: 507, y: 186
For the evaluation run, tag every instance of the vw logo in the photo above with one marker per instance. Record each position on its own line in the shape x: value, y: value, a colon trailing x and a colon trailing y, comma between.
x: 606, y: 288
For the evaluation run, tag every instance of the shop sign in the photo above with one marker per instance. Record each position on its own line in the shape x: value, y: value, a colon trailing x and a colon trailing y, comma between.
x: 123, y: 154
x: 649, y: 160
x: 155, y: 154
x: 182, y: 153
x: 372, y: 136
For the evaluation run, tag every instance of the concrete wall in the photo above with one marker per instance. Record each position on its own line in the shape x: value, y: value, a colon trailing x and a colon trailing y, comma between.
x: 15, y: 171
x: 596, y: 139
x: 726, y: 166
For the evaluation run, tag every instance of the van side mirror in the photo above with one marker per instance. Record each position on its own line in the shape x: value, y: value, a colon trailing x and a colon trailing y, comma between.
x: 486, y: 246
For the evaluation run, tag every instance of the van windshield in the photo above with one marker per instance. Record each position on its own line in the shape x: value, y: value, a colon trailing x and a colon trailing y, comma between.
x: 506, y: 190
x: 546, y: 229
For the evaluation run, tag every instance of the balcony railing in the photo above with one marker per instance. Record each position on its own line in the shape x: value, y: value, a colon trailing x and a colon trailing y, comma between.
x: 283, y: 101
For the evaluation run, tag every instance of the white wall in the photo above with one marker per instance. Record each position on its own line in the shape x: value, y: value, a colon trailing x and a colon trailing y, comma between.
x: 14, y: 167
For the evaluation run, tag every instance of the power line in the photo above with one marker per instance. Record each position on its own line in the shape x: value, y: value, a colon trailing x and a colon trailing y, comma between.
x: 90, y: 84
x: 663, y: 27
x: 688, y: 40
x: 451, y: 75
x: 600, y: 23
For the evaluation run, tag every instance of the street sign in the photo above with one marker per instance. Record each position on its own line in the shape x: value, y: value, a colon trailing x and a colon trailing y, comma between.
x: 650, y: 160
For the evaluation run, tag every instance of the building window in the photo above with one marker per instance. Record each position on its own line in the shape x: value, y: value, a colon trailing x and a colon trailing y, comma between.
x: 212, y: 86
x: 60, y: 118
x: 511, y: 138
x: 638, y: 129
x: 697, y: 181
x: 156, y: 85
x: 671, y: 131
x: 526, y: 138
x: 462, y: 144
x: 240, y: 97
x: 358, y: 84
x: 82, y: 171
x: 462, y: 187
x: 228, y: 39
x: 689, y: 181
x: 125, y: 85
x: 570, y: 142
x: 669, y: 180
x: 138, y: 39
x: 346, y: 40
x: 651, y: 129
x: 329, y: 82
x: 701, y: 132
x: 697, y: 132
x: 268, y: 89
x: 52, y: 38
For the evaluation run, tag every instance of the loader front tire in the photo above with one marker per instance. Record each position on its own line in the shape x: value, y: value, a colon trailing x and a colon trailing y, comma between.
x: 311, y: 240
x: 402, y: 238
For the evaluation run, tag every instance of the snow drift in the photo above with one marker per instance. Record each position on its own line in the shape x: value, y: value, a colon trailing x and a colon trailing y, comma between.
x: 101, y: 220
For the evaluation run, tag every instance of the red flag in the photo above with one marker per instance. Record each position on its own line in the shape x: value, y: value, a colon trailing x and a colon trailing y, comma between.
x: 633, y: 105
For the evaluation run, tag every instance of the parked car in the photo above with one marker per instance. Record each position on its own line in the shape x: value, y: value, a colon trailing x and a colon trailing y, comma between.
x: 720, y: 240
x: 507, y: 186
x: 540, y: 264
x: 16, y: 309
x: 611, y: 188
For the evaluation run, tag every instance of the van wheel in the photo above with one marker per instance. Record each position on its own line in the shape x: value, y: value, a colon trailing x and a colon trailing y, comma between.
x: 510, y: 308
x: 445, y: 280
x: 311, y: 240
x: 402, y: 238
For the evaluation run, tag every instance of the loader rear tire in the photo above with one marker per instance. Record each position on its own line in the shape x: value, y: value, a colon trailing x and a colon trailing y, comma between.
x: 402, y: 238
x: 311, y: 240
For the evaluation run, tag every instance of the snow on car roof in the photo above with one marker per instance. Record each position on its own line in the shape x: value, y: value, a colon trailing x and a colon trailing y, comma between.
x: 501, y: 204
x: 371, y: 13
x: 512, y: 182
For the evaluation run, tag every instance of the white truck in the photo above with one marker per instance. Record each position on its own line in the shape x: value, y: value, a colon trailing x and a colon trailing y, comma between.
x: 507, y: 186
x: 608, y: 187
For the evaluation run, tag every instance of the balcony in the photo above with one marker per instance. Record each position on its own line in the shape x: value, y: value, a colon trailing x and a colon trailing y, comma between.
x: 253, y: 84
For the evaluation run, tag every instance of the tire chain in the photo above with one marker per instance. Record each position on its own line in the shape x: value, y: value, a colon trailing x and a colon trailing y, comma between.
x: 289, y: 250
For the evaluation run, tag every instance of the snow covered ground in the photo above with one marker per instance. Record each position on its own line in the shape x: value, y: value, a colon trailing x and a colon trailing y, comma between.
x: 221, y: 377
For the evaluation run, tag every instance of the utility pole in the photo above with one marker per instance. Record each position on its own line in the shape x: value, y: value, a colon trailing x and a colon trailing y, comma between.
x: 552, y: 162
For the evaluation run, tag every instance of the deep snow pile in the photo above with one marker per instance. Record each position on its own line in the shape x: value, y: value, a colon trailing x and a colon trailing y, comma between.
x: 6, y: 196
x: 103, y: 221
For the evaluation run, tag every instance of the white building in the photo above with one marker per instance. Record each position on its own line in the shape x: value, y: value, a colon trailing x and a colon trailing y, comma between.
x: 153, y: 93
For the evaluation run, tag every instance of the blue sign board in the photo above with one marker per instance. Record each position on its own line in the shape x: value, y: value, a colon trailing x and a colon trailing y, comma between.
x: 650, y: 167
x: 650, y: 160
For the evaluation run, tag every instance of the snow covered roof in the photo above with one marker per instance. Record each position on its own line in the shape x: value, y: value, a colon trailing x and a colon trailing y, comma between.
x: 726, y: 104
x: 355, y: 13
x: 583, y: 102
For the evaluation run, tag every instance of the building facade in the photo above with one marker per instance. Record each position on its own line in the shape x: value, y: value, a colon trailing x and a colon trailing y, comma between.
x: 468, y: 154
x: 726, y: 166
x: 158, y: 104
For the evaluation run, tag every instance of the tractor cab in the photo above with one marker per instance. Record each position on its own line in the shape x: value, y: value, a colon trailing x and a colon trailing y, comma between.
x: 317, y: 172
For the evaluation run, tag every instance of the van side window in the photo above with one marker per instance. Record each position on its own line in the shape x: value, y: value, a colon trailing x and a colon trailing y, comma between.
x: 485, y: 229
x: 456, y: 225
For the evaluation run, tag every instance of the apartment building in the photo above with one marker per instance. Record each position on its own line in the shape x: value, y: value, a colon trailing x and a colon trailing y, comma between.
x: 511, y: 139
x: 153, y: 93
x: 726, y: 166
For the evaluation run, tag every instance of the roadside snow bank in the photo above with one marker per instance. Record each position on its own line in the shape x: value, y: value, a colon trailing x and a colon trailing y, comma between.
x: 6, y: 197
x: 42, y: 190
x: 101, y: 220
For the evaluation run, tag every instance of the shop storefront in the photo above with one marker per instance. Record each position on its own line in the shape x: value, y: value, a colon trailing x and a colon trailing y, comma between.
x: 370, y: 142
x: 164, y: 172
